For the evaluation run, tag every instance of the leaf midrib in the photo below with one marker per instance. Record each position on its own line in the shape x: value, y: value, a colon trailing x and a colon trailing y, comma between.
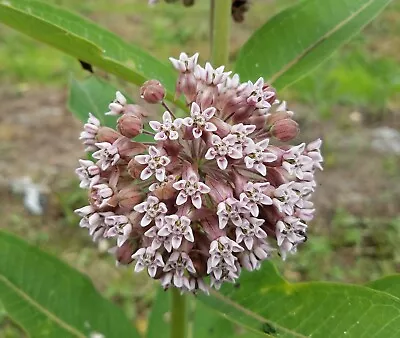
x: 293, y: 62
x: 253, y: 315
x: 40, y: 308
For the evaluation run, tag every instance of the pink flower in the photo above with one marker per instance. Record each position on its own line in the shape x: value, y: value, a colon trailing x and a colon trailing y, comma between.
x: 199, y: 120
x: 168, y: 129
x: 257, y: 155
x: 153, y: 209
x: 107, y: 155
x: 148, y: 258
x: 176, y: 228
x: 196, y: 203
x: 156, y: 162
x: 192, y: 188
x: 221, y: 148
x: 88, y: 173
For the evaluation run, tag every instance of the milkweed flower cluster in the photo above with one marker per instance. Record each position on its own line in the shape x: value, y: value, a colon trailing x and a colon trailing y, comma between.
x: 208, y: 193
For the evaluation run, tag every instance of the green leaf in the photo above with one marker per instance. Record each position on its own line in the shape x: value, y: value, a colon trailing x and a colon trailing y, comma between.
x: 48, y: 298
x: 299, y: 38
x: 267, y: 304
x: 94, y: 95
x: 203, y: 322
x: 84, y: 40
x: 388, y: 284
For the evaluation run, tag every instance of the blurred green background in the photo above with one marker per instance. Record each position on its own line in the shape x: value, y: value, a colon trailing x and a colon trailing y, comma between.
x: 352, y: 101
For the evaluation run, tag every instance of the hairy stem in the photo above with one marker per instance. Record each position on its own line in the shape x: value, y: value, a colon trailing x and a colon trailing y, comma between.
x: 221, y: 16
x: 178, y: 314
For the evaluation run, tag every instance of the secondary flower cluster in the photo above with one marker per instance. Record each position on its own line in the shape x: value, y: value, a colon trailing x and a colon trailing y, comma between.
x: 238, y: 9
x: 206, y: 193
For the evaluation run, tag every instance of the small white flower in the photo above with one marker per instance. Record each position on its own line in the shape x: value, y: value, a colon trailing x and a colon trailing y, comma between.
x: 117, y: 106
x: 88, y: 173
x: 175, y: 268
x: 107, y: 155
x: 168, y: 129
x: 199, y: 120
x: 253, y: 195
x: 241, y: 133
x: 101, y: 194
x: 313, y: 150
x: 285, y: 198
x: 156, y: 162
x: 93, y: 220
x: 289, y: 233
x: 223, y: 273
x: 176, y: 228
x: 249, y: 230
x: 222, y: 148
x: 256, y: 156
x: 296, y: 163
x: 185, y: 63
x: 210, y: 75
x: 153, y: 209
x: 148, y: 258
x: 230, y: 209
x: 221, y: 250
x: 118, y: 226
x: 251, y: 260
x: 190, y: 188
x: 259, y: 96
x: 158, y: 240
x: 88, y: 135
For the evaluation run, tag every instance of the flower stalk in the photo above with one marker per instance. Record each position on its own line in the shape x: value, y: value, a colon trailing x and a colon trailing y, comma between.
x: 178, y: 314
x: 221, y: 25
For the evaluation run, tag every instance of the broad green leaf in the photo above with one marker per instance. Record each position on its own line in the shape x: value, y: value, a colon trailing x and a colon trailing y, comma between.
x: 388, y: 284
x: 94, y: 95
x: 203, y: 322
x: 266, y: 303
x: 299, y: 38
x: 48, y: 298
x: 84, y: 40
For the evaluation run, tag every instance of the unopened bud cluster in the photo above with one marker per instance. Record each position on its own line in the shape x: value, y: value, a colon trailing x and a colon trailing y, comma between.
x: 238, y: 8
x: 210, y: 194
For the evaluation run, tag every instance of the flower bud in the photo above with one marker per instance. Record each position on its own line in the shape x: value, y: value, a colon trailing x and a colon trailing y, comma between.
x: 106, y: 134
x: 223, y: 128
x: 258, y: 121
x: 267, y: 89
x: 285, y: 130
x: 172, y: 148
x: 152, y: 91
x: 165, y: 190
x: 186, y: 84
x: 211, y: 227
x: 134, y: 168
x: 100, y: 196
x: 124, y: 253
x: 128, y: 148
x: 220, y: 190
x: 198, y: 262
x: 130, y: 125
x: 135, y: 109
x: 275, y: 117
x: 129, y: 197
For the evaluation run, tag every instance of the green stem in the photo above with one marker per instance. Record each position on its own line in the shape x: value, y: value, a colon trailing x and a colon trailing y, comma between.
x: 178, y: 314
x: 221, y: 31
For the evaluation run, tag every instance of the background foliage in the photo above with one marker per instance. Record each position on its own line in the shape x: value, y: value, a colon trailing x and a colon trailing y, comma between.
x: 345, y: 100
